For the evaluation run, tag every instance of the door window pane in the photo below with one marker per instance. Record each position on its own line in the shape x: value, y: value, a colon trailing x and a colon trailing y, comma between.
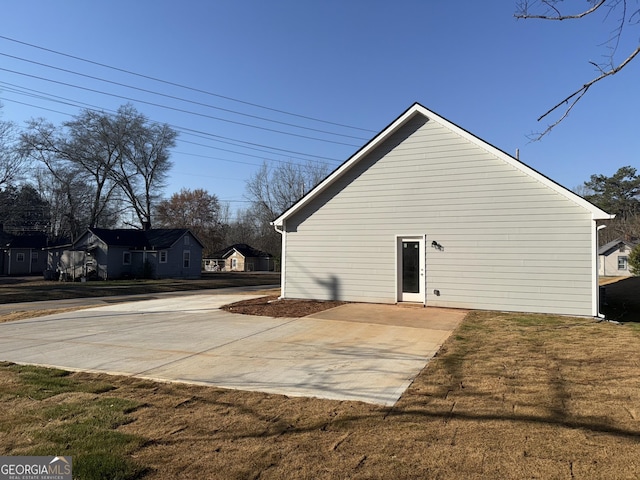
x: 411, y: 267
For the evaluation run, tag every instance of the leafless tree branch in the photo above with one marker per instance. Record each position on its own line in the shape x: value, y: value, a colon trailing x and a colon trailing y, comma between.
x: 605, y: 69
x: 572, y: 99
x: 523, y: 8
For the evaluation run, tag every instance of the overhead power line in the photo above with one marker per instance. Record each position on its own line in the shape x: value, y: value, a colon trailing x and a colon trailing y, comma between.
x: 286, y: 151
x: 186, y: 87
x: 175, y: 109
x: 173, y: 97
x: 29, y: 92
x: 193, y: 143
x: 189, y: 131
x: 249, y: 154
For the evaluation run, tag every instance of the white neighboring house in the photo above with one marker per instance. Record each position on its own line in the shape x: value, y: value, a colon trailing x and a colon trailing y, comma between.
x: 240, y: 257
x: 613, y: 258
x: 428, y: 213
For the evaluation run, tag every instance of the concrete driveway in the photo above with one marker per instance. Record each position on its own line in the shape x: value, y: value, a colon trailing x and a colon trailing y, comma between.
x: 362, y: 352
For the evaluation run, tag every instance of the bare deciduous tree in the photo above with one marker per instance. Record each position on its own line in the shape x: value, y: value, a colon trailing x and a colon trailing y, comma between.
x: 197, y: 210
x: 272, y: 190
x: 243, y: 229
x: 622, y: 15
x: 69, y: 197
x: 123, y: 159
x: 142, y: 169
x: 12, y: 162
x: 84, y: 150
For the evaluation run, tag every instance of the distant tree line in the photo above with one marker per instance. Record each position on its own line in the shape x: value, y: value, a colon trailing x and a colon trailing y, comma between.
x: 109, y: 171
x: 618, y: 194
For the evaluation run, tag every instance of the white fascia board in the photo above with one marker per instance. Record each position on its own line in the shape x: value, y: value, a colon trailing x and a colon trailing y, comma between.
x: 415, y: 109
x: 231, y: 252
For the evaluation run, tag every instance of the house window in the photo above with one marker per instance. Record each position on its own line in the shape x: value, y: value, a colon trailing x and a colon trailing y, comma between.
x: 126, y: 258
x: 623, y: 263
x: 234, y: 263
x: 186, y: 259
x: 186, y: 240
x: 163, y: 256
x: 20, y: 257
x: 34, y: 257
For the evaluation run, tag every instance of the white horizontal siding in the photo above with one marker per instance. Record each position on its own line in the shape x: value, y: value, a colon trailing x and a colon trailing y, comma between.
x: 510, y: 242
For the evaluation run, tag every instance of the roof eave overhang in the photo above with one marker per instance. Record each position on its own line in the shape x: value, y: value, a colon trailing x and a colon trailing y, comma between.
x: 231, y: 252
x: 601, y: 214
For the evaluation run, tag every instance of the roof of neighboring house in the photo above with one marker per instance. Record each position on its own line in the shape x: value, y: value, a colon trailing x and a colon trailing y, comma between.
x: 243, y: 249
x: 166, y: 237
x: 59, y: 244
x: 411, y: 112
x: 8, y: 240
x: 5, y: 238
x: 614, y: 245
x: 152, y: 239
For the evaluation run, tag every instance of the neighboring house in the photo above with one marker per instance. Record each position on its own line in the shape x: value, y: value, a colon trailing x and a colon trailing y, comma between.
x: 54, y: 254
x: 613, y: 258
x: 240, y: 257
x: 22, y: 254
x: 426, y: 212
x: 122, y: 253
x: 213, y: 264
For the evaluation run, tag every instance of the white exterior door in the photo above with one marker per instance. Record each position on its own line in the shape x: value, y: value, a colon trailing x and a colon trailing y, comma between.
x: 411, y: 265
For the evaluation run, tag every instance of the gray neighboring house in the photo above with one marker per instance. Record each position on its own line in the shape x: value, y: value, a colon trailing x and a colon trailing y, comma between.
x: 22, y: 254
x: 122, y: 253
x: 613, y: 258
x: 428, y: 213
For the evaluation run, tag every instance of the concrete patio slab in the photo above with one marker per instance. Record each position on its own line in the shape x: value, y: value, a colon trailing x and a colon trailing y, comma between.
x: 369, y: 353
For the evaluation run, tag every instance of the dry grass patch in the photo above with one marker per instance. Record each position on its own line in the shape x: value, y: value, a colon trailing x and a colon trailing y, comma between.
x: 602, y: 281
x: 535, y: 396
x: 23, y: 314
x: 509, y: 396
x: 31, y: 289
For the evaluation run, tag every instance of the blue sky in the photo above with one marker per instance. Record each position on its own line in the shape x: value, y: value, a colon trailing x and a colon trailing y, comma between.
x: 352, y: 63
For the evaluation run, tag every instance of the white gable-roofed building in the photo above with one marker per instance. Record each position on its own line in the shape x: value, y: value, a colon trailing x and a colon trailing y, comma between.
x: 426, y: 212
x: 614, y: 258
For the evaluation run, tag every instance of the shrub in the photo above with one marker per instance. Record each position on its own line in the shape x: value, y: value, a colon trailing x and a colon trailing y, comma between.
x: 634, y: 261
